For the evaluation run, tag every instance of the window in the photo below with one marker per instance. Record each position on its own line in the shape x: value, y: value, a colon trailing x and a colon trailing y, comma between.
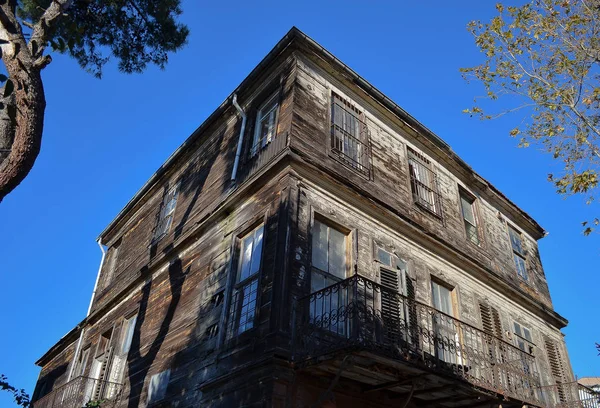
x: 157, y: 388
x: 103, y: 343
x: 423, y: 183
x: 523, y: 338
x: 444, y: 325
x: 243, y: 304
x: 516, y: 242
x: 349, y: 134
x: 128, y: 330
x: 82, y: 363
x: 113, y: 254
x: 266, y: 125
x: 167, y: 212
x: 329, y: 266
x: 467, y: 207
x: 328, y: 256
x: 442, y: 298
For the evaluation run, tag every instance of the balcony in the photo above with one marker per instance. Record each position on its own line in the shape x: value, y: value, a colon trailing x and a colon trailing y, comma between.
x: 382, y: 340
x: 570, y: 395
x: 79, y: 391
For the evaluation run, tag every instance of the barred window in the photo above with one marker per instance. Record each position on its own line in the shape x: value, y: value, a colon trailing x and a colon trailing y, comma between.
x: 467, y: 207
x: 423, y: 183
x: 349, y: 135
x: 244, y: 297
x: 266, y: 124
x: 516, y: 241
x: 167, y: 212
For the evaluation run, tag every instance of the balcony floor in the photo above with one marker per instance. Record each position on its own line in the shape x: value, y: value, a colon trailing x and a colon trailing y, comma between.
x: 402, y: 381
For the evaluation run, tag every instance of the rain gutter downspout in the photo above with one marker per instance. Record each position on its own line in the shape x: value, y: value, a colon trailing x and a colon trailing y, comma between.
x: 238, y: 153
x: 77, y: 349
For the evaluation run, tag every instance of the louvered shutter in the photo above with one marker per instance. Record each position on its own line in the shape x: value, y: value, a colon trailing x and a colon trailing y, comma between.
x: 390, y: 303
x: 556, y: 367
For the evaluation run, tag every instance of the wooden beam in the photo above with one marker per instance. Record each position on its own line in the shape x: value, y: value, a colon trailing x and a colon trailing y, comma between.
x: 436, y: 402
x: 390, y: 384
x: 426, y: 391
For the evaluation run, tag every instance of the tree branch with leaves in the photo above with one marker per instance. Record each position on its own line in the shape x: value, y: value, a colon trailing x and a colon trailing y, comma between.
x: 20, y: 396
x: 543, y: 58
x: 135, y: 32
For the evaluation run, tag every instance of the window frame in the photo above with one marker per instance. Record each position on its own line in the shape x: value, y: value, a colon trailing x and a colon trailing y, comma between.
x: 473, y: 201
x: 521, y: 336
x: 453, y: 300
x: 519, y: 255
x: 126, y: 320
x: 161, y: 231
x: 362, y: 165
x: 347, y: 232
x: 415, y: 156
x: 113, y: 254
x: 260, y: 115
x: 232, y: 318
x: 164, y: 375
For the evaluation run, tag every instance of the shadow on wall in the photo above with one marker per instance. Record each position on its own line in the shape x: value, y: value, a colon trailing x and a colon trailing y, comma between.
x: 193, y: 183
x: 138, y: 365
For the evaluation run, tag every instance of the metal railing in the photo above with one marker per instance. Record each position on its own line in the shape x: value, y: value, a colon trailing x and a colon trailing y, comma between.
x: 360, y: 314
x: 349, y: 140
x: 78, y: 392
x: 569, y: 395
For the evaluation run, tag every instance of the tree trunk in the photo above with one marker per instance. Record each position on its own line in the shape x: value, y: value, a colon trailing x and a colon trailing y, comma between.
x: 29, y: 105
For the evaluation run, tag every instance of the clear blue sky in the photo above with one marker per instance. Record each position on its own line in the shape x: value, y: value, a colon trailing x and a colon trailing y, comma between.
x: 104, y: 138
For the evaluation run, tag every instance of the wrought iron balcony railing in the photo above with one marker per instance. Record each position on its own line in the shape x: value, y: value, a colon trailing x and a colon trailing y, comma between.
x: 569, y: 395
x: 78, y: 392
x: 359, y: 314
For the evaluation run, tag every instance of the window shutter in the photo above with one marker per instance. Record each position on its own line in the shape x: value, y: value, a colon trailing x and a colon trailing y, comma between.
x: 497, y: 322
x: 389, y: 300
x: 490, y: 320
x: 556, y: 366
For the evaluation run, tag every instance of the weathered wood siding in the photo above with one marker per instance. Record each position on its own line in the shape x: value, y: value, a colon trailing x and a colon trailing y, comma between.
x: 203, y: 176
x: 175, y: 307
x: 369, y: 233
x: 389, y: 184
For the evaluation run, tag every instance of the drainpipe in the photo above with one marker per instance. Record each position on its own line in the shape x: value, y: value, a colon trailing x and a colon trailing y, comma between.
x: 77, y: 349
x: 238, y: 153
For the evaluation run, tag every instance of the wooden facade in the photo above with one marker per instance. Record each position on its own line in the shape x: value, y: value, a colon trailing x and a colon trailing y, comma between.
x: 336, y: 184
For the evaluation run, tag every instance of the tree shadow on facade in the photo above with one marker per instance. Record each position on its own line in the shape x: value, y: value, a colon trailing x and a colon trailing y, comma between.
x: 196, y: 175
x: 138, y: 365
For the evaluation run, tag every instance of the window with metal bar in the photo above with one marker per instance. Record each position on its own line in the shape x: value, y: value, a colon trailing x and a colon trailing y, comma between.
x: 349, y: 135
x: 467, y: 207
x: 519, y: 254
x: 423, y: 183
x: 167, y: 211
x: 266, y: 124
x: 242, y: 310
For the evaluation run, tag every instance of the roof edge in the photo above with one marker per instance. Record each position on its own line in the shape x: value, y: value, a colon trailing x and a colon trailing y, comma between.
x: 288, y: 38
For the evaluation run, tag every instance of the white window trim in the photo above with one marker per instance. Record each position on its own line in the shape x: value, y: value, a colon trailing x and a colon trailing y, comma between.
x: 254, y: 148
x: 173, y: 191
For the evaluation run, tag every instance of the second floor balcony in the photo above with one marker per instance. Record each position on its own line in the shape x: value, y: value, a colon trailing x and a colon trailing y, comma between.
x: 408, y: 348
x: 81, y: 392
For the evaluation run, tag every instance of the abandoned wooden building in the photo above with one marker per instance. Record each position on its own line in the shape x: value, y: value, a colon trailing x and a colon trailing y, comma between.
x: 312, y: 244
